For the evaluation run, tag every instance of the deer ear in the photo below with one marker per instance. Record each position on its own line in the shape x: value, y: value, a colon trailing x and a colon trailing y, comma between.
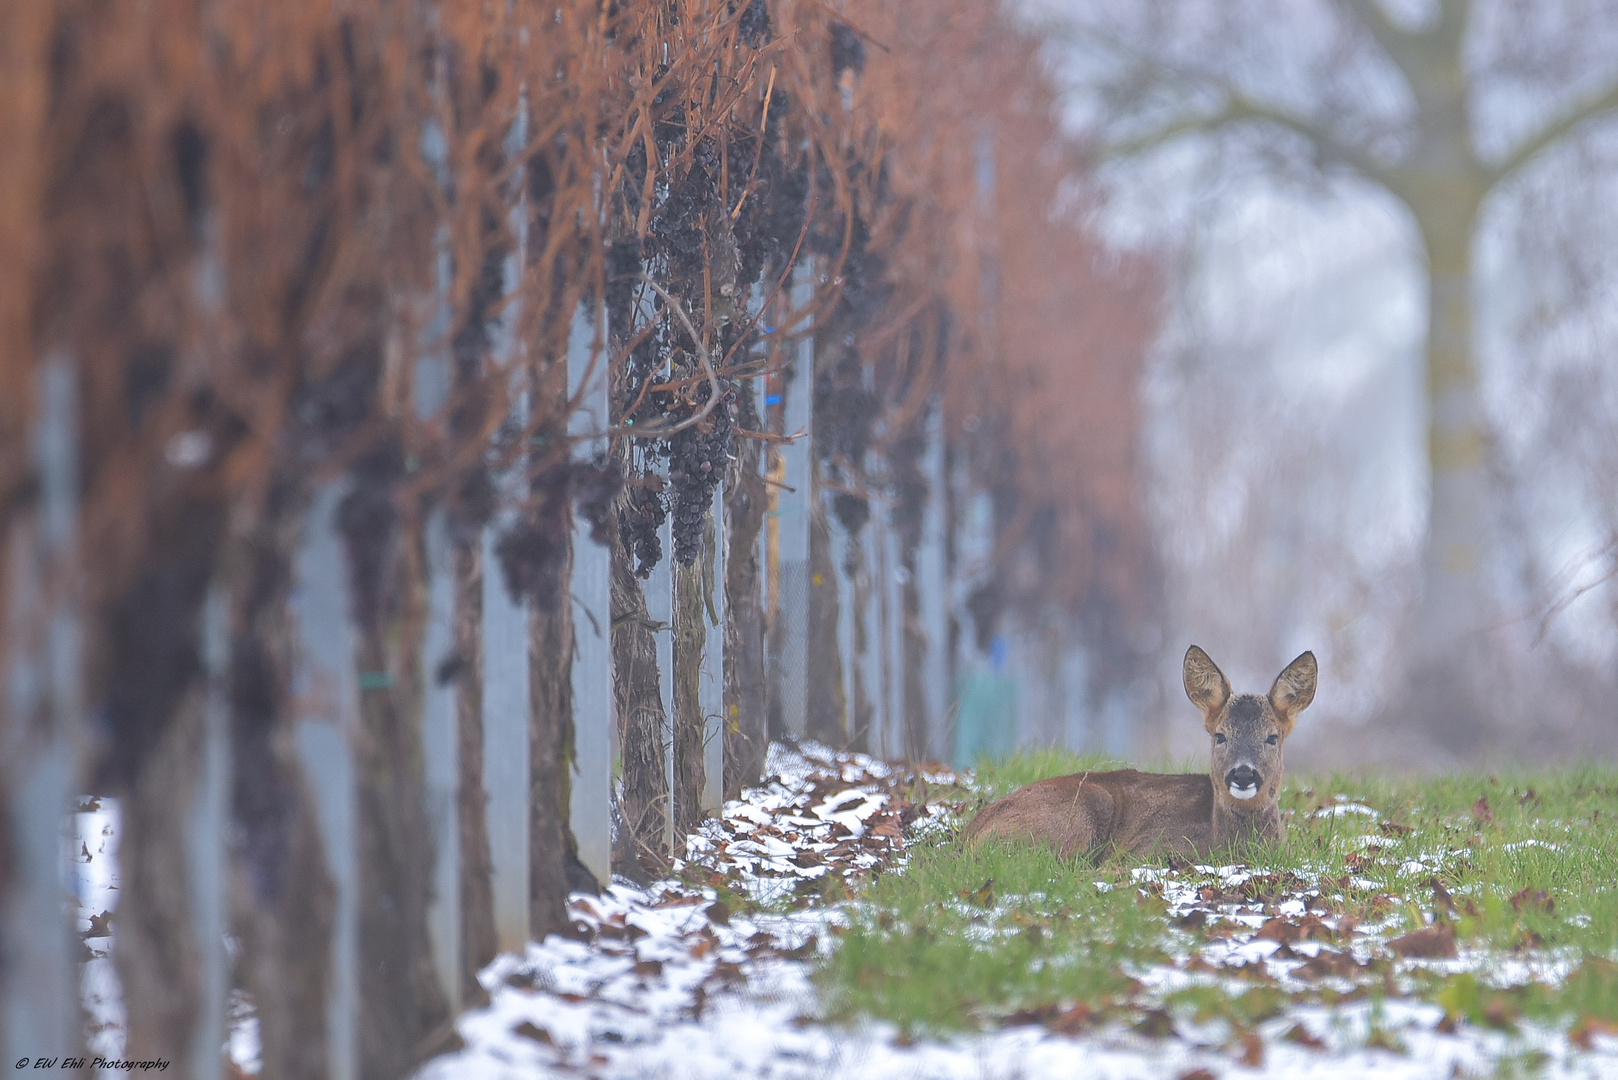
x: 1294, y: 688
x: 1205, y: 684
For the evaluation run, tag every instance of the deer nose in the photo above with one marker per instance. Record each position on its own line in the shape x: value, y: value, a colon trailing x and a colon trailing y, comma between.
x: 1243, y: 782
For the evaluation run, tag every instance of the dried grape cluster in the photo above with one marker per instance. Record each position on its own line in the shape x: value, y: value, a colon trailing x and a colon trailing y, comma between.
x: 712, y: 231
x: 697, y: 459
x: 639, y: 520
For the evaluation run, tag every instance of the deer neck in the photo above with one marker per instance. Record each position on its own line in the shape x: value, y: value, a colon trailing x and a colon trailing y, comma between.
x: 1234, y: 821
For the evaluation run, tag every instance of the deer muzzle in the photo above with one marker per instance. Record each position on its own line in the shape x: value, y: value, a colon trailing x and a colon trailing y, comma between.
x: 1243, y: 782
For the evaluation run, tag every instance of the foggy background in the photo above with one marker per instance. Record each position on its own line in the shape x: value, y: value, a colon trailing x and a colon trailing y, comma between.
x: 1284, y: 399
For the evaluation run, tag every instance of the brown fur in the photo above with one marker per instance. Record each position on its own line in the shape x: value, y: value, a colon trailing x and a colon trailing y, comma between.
x: 1189, y: 814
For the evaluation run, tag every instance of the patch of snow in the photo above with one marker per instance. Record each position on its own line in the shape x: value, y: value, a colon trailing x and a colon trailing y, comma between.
x: 666, y: 989
x: 1345, y: 809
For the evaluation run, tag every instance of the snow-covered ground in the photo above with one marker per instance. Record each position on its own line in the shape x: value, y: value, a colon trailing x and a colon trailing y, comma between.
x: 667, y: 981
x: 92, y: 842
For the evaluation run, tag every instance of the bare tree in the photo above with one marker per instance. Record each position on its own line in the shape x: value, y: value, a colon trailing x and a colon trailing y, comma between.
x: 1438, y: 104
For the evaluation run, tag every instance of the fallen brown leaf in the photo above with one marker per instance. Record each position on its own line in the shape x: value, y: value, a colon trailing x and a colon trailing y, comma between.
x: 1430, y: 942
x: 1481, y: 813
x: 1252, y: 1050
x: 620, y: 930
x: 1299, y: 1034
x: 1584, y: 1031
x: 528, y: 1031
x: 1072, y: 1021
x: 1533, y: 899
x: 1499, y: 1013
x: 726, y: 971
x: 1328, y: 962
x: 1279, y: 929
x: 1528, y: 939
x: 1038, y: 1014
x: 1156, y: 1024
x: 982, y: 896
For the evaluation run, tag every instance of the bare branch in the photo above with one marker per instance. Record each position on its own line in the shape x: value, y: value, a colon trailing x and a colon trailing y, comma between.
x: 1239, y: 108
x: 1402, y: 46
x: 1564, y: 601
x: 1328, y: 142
x: 1553, y: 132
x: 1452, y: 18
x: 665, y: 430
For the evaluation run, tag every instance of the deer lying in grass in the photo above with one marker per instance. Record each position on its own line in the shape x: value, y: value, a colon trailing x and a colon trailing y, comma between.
x: 1188, y: 814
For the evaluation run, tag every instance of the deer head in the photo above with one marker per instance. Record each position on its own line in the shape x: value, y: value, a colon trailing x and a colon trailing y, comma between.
x: 1248, y: 730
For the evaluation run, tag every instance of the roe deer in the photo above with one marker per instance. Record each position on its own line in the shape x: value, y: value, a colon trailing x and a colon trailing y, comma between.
x: 1188, y: 814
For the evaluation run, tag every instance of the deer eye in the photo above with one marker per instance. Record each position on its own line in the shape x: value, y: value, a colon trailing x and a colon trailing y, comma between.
x: 1273, y: 739
x: 1219, y: 737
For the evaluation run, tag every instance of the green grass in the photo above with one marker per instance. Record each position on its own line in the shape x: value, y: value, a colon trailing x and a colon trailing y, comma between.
x: 957, y: 933
x: 1532, y: 875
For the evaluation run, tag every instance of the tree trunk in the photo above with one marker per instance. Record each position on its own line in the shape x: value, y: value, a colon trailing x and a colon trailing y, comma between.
x: 645, y: 798
x: 1444, y: 186
x: 156, y: 949
x: 283, y: 896
x: 155, y: 693
x: 1454, y: 608
x: 478, y: 943
x: 825, y: 708
x: 400, y: 999
x: 746, y: 500
x: 690, y: 636
x: 553, y: 861
x: 862, y: 710
x: 553, y: 865
x: 908, y: 518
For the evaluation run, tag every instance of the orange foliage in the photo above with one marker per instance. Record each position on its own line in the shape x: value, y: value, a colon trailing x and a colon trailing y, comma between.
x: 1046, y: 337
x: 214, y: 208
